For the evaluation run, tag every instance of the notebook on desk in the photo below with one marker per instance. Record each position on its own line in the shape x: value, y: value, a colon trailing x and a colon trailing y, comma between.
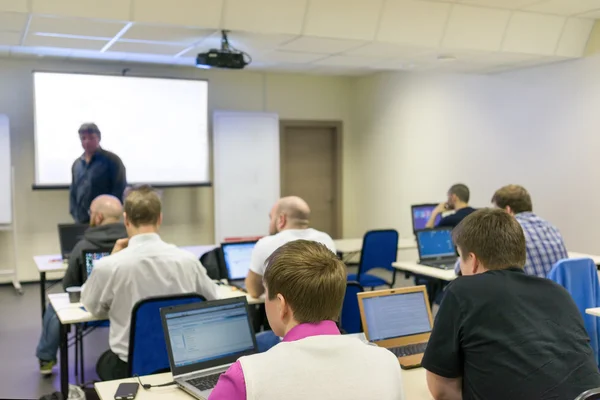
x: 69, y: 235
x: 204, y: 339
x: 399, y: 320
x: 236, y: 256
x: 436, y: 248
x: 90, y: 257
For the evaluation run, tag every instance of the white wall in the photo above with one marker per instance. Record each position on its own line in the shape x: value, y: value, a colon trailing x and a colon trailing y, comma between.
x: 538, y: 127
x: 188, y: 211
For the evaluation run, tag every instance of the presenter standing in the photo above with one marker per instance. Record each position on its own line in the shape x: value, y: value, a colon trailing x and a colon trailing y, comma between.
x: 96, y: 172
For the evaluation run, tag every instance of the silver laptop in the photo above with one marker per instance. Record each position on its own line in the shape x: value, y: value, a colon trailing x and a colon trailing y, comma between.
x: 204, y: 339
x: 436, y: 248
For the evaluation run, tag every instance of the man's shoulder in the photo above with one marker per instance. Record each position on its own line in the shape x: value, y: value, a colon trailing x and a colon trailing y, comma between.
x: 109, y: 155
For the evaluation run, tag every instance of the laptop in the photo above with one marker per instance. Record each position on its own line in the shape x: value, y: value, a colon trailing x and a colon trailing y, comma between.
x: 420, y: 215
x: 69, y: 235
x: 436, y: 248
x: 399, y: 320
x: 236, y: 257
x: 90, y: 257
x: 204, y: 339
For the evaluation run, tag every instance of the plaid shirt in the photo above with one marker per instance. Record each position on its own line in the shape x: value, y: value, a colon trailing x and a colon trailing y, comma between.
x: 545, y: 244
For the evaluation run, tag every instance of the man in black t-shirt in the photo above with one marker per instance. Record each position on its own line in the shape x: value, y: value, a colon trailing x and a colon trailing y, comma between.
x: 458, y: 200
x: 502, y: 334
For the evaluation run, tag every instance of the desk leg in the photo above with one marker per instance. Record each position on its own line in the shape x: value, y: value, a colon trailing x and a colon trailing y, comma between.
x: 64, y: 360
x: 43, y: 291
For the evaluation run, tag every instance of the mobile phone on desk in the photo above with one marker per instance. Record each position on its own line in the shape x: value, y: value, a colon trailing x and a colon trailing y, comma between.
x: 127, y: 391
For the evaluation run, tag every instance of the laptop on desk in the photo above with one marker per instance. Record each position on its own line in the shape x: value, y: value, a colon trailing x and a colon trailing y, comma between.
x: 69, y: 235
x: 90, y: 257
x: 236, y: 256
x: 421, y: 213
x: 399, y: 320
x: 204, y: 339
x: 436, y: 248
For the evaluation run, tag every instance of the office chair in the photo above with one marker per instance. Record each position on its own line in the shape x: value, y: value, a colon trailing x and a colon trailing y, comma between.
x: 147, y: 347
x: 350, y: 317
x: 580, y: 277
x: 592, y: 394
x: 379, y: 250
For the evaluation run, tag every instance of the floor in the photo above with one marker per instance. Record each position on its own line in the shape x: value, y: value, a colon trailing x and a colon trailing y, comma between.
x: 19, y: 334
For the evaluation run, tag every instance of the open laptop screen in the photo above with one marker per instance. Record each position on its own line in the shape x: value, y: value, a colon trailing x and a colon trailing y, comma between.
x: 436, y: 243
x: 421, y: 215
x: 237, y: 258
x: 91, y: 257
x: 209, y: 333
x: 69, y: 235
x: 396, y: 315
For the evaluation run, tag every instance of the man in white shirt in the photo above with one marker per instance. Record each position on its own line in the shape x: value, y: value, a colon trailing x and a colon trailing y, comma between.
x: 140, y: 266
x: 289, y: 220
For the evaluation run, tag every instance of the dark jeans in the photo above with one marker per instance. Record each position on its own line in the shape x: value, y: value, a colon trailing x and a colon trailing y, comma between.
x: 111, y: 367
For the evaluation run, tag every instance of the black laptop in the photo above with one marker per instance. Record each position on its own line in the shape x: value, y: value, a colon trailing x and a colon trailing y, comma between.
x: 237, y: 256
x: 436, y: 248
x: 69, y: 235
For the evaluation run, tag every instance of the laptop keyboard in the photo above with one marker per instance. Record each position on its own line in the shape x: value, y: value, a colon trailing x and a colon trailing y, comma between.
x: 409, y: 350
x: 205, y: 382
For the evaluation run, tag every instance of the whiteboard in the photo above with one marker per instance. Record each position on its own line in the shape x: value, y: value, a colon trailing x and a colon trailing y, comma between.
x: 5, y: 173
x: 246, y: 172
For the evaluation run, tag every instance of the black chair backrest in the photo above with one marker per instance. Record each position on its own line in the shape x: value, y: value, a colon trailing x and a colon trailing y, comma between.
x: 213, y: 264
x: 592, y: 394
x: 350, y: 321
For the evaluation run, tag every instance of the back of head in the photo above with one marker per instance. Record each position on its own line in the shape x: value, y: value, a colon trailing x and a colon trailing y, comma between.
x: 296, y: 211
x: 310, y: 277
x: 514, y: 196
x: 461, y: 191
x: 143, y: 206
x: 494, y: 236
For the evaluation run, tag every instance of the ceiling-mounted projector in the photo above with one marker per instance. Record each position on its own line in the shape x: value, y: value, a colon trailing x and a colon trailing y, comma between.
x: 225, y: 57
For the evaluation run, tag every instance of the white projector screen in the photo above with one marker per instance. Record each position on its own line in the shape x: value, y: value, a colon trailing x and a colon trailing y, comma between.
x: 158, y: 127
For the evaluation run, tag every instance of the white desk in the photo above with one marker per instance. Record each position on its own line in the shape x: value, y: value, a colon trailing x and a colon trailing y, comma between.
x: 408, y: 266
x: 414, y: 383
x: 355, y: 245
x: 593, y: 311
x: 54, y: 263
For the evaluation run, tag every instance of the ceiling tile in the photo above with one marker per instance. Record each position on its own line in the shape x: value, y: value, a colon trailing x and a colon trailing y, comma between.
x: 344, y: 19
x: 75, y: 26
x: 419, y: 23
x: 574, y: 38
x: 11, y: 21
x: 507, y: 4
x: 592, y: 14
x: 146, y: 48
x: 14, y: 6
x: 289, y: 57
x: 265, y: 16
x: 61, y: 42
x: 565, y: 7
x: 381, y: 49
x: 10, y: 38
x: 475, y: 28
x: 311, y: 44
x: 533, y: 33
x: 162, y: 33
x: 200, y: 13
x: 349, y: 61
x: 104, y: 9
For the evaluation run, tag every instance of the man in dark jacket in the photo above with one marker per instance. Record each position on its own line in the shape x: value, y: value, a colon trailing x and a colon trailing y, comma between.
x: 105, y: 229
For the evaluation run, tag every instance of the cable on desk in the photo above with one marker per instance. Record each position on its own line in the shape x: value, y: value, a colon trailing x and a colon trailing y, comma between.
x: 148, y: 386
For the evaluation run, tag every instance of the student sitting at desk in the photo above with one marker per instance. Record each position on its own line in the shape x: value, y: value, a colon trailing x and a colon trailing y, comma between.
x: 458, y: 200
x: 500, y: 333
x: 140, y: 267
x: 305, y: 286
x: 545, y: 244
x: 105, y: 228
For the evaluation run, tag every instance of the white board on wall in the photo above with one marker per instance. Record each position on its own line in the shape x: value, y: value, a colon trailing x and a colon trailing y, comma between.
x: 5, y: 173
x: 246, y: 172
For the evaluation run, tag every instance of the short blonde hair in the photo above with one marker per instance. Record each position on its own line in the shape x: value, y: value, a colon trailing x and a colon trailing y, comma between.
x: 310, y: 277
x: 142, y: 206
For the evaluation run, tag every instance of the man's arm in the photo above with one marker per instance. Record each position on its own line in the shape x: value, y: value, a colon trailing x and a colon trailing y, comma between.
x: 434, y: 214
x: 254, y: 284
x: 231, y: 385
x: 72, y: 198
x: 119, y: 179
x: 444, y: 388
x: 206, y: 287
x: 96, y: 294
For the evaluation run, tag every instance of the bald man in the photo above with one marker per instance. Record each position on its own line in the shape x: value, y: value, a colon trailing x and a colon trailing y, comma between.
x: 105, y: 229
x: 288, y: 221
